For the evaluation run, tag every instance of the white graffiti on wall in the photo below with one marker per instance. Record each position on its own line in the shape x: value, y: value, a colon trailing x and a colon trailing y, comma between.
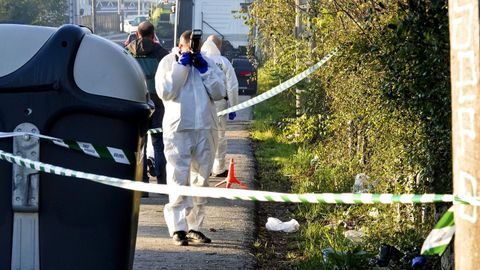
x: 462, y: 40
x: 468, y: 187
x: 466, y: 123
x: 467, y: 76
x: 465, y: 85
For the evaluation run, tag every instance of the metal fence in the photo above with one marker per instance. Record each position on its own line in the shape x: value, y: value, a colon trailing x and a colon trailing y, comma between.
x: 104, y: 22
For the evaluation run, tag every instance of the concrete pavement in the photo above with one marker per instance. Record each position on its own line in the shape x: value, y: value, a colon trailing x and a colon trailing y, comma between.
x: 230, y: 224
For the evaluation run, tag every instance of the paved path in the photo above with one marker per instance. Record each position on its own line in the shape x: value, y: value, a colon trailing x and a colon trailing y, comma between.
x: 230, y: 224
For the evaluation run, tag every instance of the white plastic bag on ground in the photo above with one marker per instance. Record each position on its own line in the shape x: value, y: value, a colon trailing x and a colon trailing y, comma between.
x: 274, y: 224
x: 354, y: 236
x: 362, y: 184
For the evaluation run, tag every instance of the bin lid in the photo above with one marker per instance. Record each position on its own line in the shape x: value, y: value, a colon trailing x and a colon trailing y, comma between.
x: 101, y: 67
x: 20, y: 44
x: 106, y: 69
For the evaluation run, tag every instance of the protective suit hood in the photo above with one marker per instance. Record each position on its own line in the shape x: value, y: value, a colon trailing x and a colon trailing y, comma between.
x: 209, y: 48
x: 188, y: 95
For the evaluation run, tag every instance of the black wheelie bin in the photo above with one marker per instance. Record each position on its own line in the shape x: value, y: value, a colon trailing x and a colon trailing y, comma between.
x: 70, y: 84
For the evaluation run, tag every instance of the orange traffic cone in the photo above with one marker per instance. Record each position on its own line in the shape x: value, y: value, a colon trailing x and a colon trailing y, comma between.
x: 231, y: 178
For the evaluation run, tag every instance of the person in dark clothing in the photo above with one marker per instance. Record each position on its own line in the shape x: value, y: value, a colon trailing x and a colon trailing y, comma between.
x: 148, y: 54
x: 145, y: 45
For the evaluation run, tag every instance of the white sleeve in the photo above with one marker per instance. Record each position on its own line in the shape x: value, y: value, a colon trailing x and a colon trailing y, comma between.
x: 170, y: 78
x: 231, y: 83
x: 213, y: 80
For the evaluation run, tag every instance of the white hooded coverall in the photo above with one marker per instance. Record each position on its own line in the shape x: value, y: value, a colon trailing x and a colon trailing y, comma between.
x: 231, y: 86
x: 190, y: 134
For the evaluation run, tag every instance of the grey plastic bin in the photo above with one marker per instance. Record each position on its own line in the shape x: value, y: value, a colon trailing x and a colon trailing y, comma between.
x: 70, y: 84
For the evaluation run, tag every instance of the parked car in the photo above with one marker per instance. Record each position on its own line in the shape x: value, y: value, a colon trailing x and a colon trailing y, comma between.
x: 246, y: 75
x: 131, y: 24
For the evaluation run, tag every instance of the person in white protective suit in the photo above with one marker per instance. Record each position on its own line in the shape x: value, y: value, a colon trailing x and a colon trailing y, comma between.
x: 211, y: 48
x: 188, y: 90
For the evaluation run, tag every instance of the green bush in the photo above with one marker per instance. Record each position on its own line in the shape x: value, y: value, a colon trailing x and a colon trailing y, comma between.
x: 381, y: 107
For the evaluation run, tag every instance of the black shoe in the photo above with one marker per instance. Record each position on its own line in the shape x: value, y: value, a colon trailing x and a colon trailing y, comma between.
x: 223, y: 174
x: 179, y: 238
x: 151, y: 167
x: 198, y: 237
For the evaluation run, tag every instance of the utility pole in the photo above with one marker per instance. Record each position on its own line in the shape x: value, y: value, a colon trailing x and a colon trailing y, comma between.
x: 122, y: 15
x: 183, y: 10
x: 299, y: 29
x: 464, y: 62
x: 298, y: 103
x: 311, y: 32
x: 94, y: 17
x: 119, y: 16
x: 71, y: 12
x: 175, y: 26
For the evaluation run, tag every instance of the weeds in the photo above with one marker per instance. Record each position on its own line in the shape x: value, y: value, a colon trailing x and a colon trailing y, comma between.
x: 302, y: 156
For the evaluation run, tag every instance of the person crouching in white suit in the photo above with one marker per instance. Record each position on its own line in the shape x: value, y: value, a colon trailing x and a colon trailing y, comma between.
x: 190, y: 134
x: 211, y: 48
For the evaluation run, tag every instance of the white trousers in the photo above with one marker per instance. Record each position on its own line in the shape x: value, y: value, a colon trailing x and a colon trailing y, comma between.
x: 189, y: 157
x: 219, y: 164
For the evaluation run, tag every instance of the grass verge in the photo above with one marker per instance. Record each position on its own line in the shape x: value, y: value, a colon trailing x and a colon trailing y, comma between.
x: 274, y: 250
x: 322, y: 242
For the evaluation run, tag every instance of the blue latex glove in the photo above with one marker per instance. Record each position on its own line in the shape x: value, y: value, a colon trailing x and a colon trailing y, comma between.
x: 232, y: 115
x: 184, y: 59
x: 201, y: 64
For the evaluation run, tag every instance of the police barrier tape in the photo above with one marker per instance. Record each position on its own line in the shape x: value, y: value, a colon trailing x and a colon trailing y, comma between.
x: 240, y: 194
x: 155, y: 131
x: 110, y: 153
x: 436, y: 242
x: 279, y: 88
x: 439, y: 238
x: 272, y: 92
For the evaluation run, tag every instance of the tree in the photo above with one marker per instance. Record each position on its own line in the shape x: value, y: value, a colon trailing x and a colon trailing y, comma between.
x: 18, y: 11
x: 38, y: 12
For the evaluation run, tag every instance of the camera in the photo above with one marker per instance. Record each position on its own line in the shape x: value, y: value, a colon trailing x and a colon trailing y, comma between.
x: 195, y: 40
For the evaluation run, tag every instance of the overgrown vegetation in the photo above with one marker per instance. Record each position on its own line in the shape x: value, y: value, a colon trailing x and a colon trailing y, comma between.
x: 380, y: 107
